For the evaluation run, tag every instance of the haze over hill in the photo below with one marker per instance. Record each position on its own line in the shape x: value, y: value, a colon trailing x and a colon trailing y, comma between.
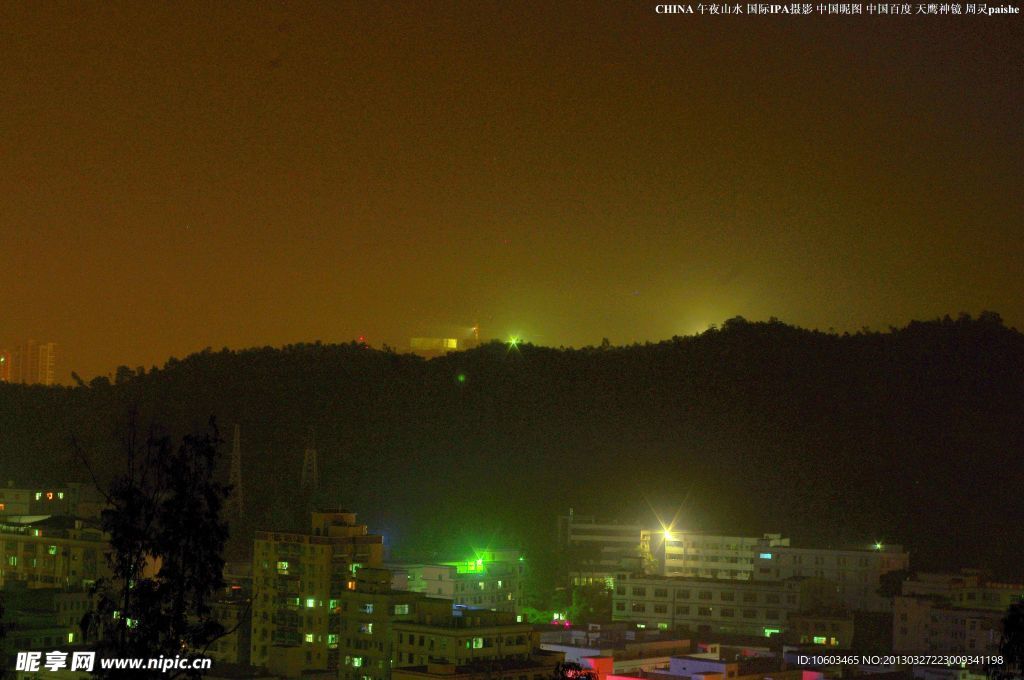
x: 913, y: 435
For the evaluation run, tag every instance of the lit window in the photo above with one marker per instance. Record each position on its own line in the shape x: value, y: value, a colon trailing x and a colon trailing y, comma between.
x: 3, y: 507
x: 334, y: 604
x: 49, y: 495
x: 309, y: 637
x: 60, y: 495
x: 366, y: 628
x: 401, y: 609
x: 332, y: 640
x: 310, y: 602
x: 52, y: 550
x: 481, y: 584
x: 367, y: 608
x: 39, y: 494
x: 357, y: 661
x: 282, y: 567
x: 819, y: 639
x: 766, y: 556
x: 478, y: 643
x: 12, y: 560
x: 71, y: 638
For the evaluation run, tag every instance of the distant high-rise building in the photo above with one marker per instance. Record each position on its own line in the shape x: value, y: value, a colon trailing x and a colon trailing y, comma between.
x: 46, y: 363
x: 32, y: 363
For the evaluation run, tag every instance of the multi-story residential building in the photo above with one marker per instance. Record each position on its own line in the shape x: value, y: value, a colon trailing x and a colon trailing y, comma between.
x: 750, y: 607
x: 42, y: 618
x: 72, y: 499
x: 829, y: 628
x: 595, y: 551
x: 493, y: 579
x: 463, y: 637
x: 14, y: 501
x: 52, y: 552
x: 233, y: 611
x: 366, y: 616
x: 925, y: 624
x: 297, y: 579
x: 686, y: 553
x: 857, y: 573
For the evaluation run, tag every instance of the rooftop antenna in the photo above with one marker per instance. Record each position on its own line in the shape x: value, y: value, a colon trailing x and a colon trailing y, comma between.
x: 310, y: 467
x: 235, y: 478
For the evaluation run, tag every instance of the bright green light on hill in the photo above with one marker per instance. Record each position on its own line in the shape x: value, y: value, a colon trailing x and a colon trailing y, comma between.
x: 461, y: 377
x: 514, y: 341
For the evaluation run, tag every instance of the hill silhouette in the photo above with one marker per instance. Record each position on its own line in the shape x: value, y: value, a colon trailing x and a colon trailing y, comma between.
x: 913, y: 435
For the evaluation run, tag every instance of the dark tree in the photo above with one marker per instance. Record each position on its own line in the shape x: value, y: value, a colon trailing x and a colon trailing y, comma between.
x: 890, y: 584
x: 166, y: 560
x: 3, y: 650
x: 1011, y: 646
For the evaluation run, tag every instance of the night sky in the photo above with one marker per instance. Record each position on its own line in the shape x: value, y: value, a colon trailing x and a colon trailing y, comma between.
x: 176, y: 175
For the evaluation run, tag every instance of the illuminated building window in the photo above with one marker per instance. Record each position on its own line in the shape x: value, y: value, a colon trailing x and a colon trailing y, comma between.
x: 282, y: 567
x: 39, y: 494
x: 478, y: 643
x: 310, y: 602
x: 49, y: 495
x: 52, y: 550
x: 3, y: 507
x: 351, y: 585
x: 768, y: 632
x: 60, y: 495
x: 332, y: 640
x: 308, y: 637
x: 766, y: 556
x: 481, y: 584
x: 357, y: 661
x: 366, y: 608
x: 819, y: 639
x: 12, y: 560
x: 401, y: 609
x: 334, y: 604
x: 71, y: 638
x: 366, y: 628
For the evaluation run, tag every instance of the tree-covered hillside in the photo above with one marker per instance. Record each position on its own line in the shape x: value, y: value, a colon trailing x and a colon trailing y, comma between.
x: 914, y: 435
